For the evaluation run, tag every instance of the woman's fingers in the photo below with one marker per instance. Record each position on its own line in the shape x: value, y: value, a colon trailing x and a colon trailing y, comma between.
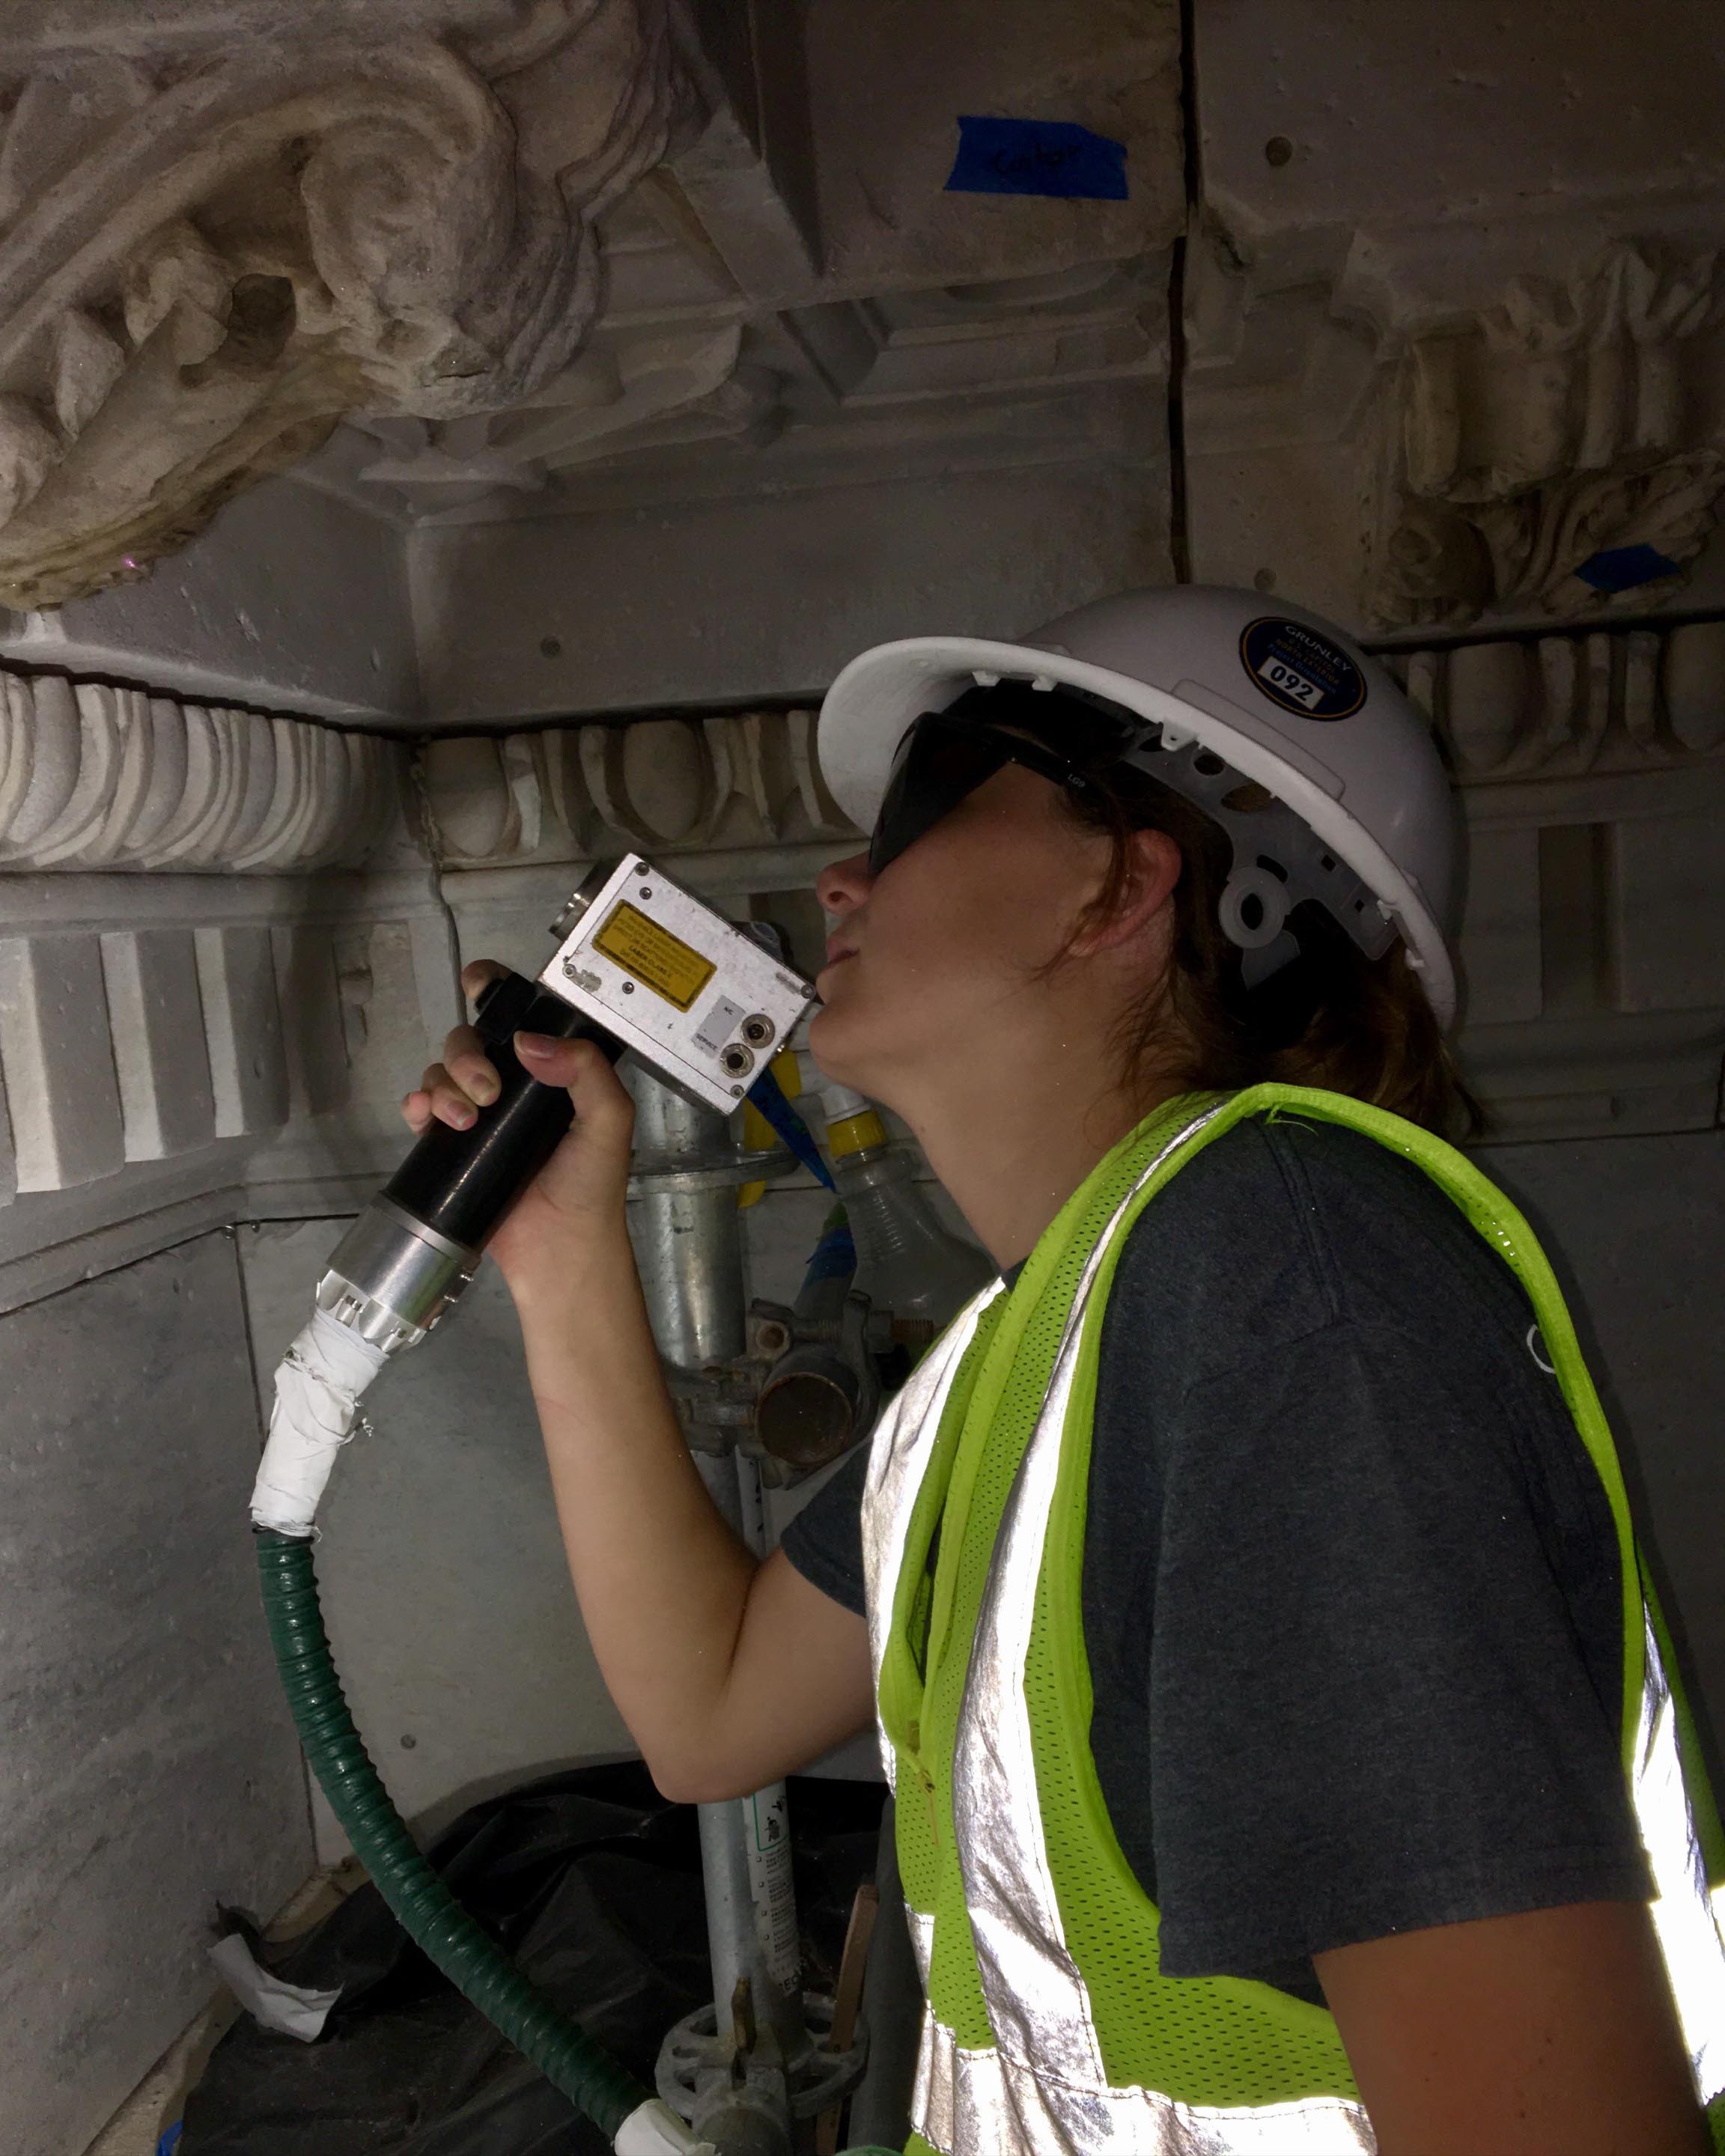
x: 466, y: 1079
x: 453, y: 1091
x: 470, y: 1068
x: 589, y: 1169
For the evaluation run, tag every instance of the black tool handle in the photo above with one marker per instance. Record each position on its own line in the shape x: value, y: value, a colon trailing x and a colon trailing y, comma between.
x: 462, y: 1182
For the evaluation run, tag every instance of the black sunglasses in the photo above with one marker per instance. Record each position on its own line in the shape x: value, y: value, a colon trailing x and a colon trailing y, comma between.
x: 944, y: 757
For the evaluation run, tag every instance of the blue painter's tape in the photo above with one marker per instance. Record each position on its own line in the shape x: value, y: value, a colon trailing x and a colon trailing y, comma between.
x: 768, y: 1096
x: 1036, y: 157
x: 1621, y: 568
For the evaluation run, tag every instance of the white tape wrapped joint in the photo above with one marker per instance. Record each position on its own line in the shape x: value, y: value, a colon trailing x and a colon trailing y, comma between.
x: 318, y: 1389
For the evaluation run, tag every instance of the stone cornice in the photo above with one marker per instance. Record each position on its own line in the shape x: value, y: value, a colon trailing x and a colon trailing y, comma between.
x: 224, y: 951
x: 1511, y: 710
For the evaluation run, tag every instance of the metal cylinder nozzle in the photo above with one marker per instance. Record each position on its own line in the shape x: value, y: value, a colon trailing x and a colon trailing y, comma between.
x: 391, y: 1277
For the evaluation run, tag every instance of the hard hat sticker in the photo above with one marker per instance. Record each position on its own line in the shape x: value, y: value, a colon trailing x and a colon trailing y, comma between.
x: 1302, y: 669
x: 658, y: 960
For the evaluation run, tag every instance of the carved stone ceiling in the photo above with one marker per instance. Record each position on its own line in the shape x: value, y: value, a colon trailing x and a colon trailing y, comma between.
x: 1453, y: 330
x: 797, y: 298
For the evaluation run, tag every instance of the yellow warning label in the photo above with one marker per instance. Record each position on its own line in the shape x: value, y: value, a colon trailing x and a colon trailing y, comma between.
x: 659, y: 960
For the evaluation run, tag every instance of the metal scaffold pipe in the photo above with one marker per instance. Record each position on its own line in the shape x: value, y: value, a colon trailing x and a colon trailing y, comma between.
x: 685, y: 1227
x: 682, y: 1221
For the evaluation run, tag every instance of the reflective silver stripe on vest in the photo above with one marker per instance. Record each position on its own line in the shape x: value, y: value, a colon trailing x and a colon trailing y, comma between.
x: 1684, y: 1915
x: 898, y: 1458
x: 983, y: 2099
x: 922, y: 1941
x: 1046, y: 2087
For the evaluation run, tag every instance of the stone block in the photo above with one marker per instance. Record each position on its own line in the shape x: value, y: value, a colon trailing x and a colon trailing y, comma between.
x: 242, y: 1020
x: 62, y: 1093
x: 155, y: 1020
x: 1499, y: 926
x: 309, y: 992
x: 1670, y: 908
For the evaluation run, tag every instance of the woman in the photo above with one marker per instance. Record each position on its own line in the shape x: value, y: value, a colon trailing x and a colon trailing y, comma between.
x: 1256, y: 1632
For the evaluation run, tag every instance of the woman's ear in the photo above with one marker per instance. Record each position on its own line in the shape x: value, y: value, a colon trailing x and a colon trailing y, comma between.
x: 1152, y: 867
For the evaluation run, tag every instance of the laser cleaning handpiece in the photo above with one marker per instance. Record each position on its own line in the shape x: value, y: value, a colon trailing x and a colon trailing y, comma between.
x: 642, y: 965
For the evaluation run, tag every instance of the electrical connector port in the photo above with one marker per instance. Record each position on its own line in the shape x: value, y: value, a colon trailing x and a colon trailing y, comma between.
x: 759, y: 1029
x: 736, y: 1061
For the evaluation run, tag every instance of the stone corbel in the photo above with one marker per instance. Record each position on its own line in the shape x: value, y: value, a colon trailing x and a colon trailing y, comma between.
x: 204, y: 265
x: 643, y: 390
x: 1556, y: 449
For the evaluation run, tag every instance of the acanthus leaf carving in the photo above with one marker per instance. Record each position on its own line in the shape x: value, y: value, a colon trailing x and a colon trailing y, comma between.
x: 232, y: 255
x: 1553, y: 451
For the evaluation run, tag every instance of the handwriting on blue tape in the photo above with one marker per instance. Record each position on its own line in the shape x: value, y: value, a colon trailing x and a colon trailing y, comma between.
x: 1036, y: 157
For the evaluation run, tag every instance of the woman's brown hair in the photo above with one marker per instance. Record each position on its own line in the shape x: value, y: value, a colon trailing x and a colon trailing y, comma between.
x: 1333, y: 1017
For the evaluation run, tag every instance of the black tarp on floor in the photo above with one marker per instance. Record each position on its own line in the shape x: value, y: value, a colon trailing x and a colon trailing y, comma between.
x: 592, y: 1882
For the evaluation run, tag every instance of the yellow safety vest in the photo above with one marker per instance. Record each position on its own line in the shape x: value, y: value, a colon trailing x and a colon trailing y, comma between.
x: 1049, y: 2026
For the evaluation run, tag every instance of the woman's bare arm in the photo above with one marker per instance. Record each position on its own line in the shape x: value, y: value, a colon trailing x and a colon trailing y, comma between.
x: 1551, y: 2034
x: 729, y: 1672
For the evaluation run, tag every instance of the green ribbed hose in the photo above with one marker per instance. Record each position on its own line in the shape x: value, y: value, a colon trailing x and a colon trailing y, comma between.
x: 427, y: 1913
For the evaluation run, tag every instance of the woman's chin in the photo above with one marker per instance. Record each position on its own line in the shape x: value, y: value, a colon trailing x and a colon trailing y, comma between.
x: 833, y: 1039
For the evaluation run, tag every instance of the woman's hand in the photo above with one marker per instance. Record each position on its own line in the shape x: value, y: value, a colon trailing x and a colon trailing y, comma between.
x: 572, y: 1210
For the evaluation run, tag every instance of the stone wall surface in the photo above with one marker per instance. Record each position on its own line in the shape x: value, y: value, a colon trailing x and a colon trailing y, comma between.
x: 1454, y: 306
x: 148, y: 1768
x: 727, y: 601
x: 1450, y: 322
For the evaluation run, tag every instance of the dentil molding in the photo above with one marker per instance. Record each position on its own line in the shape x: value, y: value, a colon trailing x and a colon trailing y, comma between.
x: 206, y: 261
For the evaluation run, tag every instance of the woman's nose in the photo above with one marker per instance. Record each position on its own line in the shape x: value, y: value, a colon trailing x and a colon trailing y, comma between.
x: 842, y: 885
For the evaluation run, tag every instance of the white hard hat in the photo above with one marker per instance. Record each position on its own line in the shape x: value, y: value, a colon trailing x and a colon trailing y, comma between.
x: 1281, y: 695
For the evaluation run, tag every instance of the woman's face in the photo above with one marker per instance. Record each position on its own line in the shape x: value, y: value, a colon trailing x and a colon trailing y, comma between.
x: 940, y: 965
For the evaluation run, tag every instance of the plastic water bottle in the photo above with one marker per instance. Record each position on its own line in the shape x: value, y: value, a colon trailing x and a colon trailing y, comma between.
x: 907, y: 1261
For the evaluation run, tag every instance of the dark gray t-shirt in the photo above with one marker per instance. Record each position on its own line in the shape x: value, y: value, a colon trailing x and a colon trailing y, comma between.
x: 1351, y: 1585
